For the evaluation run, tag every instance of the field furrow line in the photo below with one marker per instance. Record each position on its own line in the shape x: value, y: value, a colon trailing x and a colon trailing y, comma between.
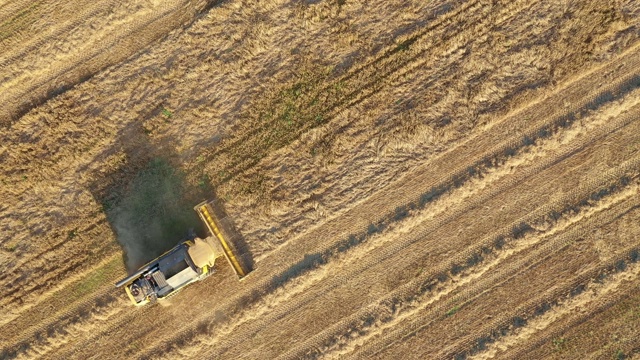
x: 421, y: 319
x: 536, y: 306
x: 394, y: 315
x: 409, y: 291
x: 365, y: 225
x: 402, y: 194
x: 444, y: 168
x: 441, y: 21
x: 9, y: 8
x: 39, y: 258
x: 93, y: 9
x: 631, y: 343
x: 64, y: 329
x: 439, y: 24
x: 41, y: 276
x: 423, y: 232
x: 12, y: 23
x: 446, y: 180
x: 21, y: 327
x: 378, y: 79
x: 78, y: 345
x: 383, y: 77
x: 396, y: 196
x: 629, y: 346
x: 91, y: 57
x: 503, y: 349
x: 609, y: 127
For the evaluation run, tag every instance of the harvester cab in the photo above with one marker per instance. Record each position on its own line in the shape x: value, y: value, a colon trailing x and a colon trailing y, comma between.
x: 188, y: 262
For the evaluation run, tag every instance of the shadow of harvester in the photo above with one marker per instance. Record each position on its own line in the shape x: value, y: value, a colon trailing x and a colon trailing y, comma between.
x: 149, y: 201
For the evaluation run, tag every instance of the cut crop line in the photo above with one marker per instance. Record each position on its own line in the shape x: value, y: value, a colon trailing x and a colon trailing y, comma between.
x: 606, y: 300
x: 59, y: 333
x: 69, y: 307
x: 471, y: 7
x: 414, y: 322
x: 408, y: 291
x: 59, y: 70
x: 85, y: 15
x: 449, y: 216
x: 536, y: 168
x: 414, y: 188
x: 19, y: 21
x: 532, y: 308
x: 43, y: 274
x: 376, y: 259
x: 536, y: 248
x: 40, y: 256
x: 494, y: 18
x: 622, y: 82
x: 107, y: 42
x: 454, y: 175
x: 440, y: 23
x: 391, y: 206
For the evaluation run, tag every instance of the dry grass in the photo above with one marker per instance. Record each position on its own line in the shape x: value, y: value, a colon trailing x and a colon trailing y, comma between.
x: 296, y: 112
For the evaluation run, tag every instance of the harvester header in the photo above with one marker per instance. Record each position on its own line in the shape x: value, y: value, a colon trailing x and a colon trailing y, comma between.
x: 207, y: 214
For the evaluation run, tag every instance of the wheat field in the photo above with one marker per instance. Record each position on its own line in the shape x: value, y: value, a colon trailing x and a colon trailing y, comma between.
x: 413, y: 179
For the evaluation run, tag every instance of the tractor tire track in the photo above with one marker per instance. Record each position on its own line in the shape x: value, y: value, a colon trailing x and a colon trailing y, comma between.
x: 399, y: 197
x: 558, y: 328
x: 542, y: 251
x: 390, y: 208
x: 83, y: 16
x: 91, y: 60
x: 438, y: 22
x: 142, y: 328
x: 450, y: 217
x: 533, y: 308
x: 347, y: 324
x: 623, y: 73
x: 42, y: 278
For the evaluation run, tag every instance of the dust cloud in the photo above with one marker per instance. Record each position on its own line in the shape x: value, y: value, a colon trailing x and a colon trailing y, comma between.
x: 152, y: 214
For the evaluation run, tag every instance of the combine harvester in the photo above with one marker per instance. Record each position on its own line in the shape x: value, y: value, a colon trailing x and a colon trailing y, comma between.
x: 188, y: 262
